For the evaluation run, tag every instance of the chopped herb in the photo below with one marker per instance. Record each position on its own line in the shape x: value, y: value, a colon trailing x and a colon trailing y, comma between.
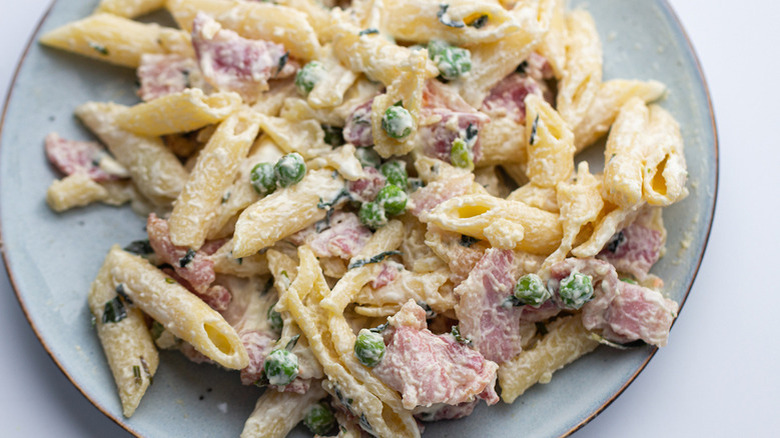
x: 114, y: 311
x: 380, y: 328
x: 541, y: 328
x: 445, y: 19
x: 458, y: 337
x: 291, y: 344
x: 480, y: 22
x: 157, y: 330
x: 522, y: 68
x: 322, y: 205
x: 274, y: 319
x: 186, y: 74
x: 615, y: 242
x: 369, y: 31
x: 262, y: 381
x: 414, y: 184
x: 365, y: 424
x: 628, y: 280
x: 120, y: 290
x: 140, y: 247
x: 375, y: 259
x: 184, y: 261
x: 429, y: 313
x: 333, y: 135
x: 225, y: 197
x: 467, y: 241
x: 282, y: 63
x: 99, y: 48
x: 137, y: 375
x: 268, y: 285
x: 471, y: 134
x: 169, y: 280
x: 146, y: 370
x: 534, y: 127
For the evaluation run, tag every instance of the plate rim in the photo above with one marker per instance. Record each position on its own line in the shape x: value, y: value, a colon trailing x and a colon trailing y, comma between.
x: 691, y: 51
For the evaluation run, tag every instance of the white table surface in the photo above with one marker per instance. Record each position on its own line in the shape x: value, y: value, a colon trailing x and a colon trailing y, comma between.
x: 720, y: 374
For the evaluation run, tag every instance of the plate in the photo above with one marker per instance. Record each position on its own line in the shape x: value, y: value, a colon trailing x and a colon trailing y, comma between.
x: 52, y: 258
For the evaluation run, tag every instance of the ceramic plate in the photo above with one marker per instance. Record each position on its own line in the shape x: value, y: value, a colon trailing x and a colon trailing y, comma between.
x: 52, y: 258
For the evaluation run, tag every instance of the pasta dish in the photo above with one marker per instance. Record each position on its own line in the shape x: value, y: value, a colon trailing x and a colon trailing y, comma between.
x: 373, y: 209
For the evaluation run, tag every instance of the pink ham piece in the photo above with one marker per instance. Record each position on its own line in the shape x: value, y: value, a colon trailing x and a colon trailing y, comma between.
x: 621, y: 311
x: 366, y: 188
x: 258, y: 345
x: 492, y: 326
x: 428, y: 369
x: 70, y: 157
x: 230, y: 62
x: 193, y: 266
x: 507, y: 98
x: 161, y: 75
x: 389, y: 272
x: 345, y: 237
x: 217, y: 297
x: 454, y: 118
x: 634, y: 250
x: 357, y: 130
x: 427, y: 198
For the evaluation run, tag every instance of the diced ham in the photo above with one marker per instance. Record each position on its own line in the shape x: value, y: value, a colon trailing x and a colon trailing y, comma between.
x: 195, y: 268
x: 366, y: 188
x: 507, y: 98
x: 298, y: 386
x: 639, y: 313
x: 538, y: 67
x: 217, y: 297
x: 258, y: 345
x: 621, y: 311
x: 427, y: 198
x: 345, y: 237
x: 357, y: 129
x: 634, y: 250
x: 545, y: 311
x: 70, y: 157
x: 389, y: 272
x: 438, y: 137
x: 160, y: 75
x: 492, y: 326
x: 428, y: 369
x: 230, y: 62
x: 448, y: 118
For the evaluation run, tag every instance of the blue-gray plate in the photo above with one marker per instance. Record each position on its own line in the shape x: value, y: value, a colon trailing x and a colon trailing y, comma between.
x: 52, y: 258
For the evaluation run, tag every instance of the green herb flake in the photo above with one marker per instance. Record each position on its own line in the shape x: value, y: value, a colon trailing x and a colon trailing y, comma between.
x: 156, y: 330
x: 99, y: 48
x: 458, y: 337
x: 184, y: 261
x: 369, y: 31
x: 225, y: 197
x: 467, y: 241
x: 532, y: 139
x: 282, y: 63
x: 140, y: 247
x: 292, y: 342
x: 480, y: 22
x: 380, y: 328
x: 444, y: 17
x: 522, y: 68
x: 114, y: 311
x: 137, y: 375
x: 375, y: 259
x: 169, y: 280
x: 120, y: 290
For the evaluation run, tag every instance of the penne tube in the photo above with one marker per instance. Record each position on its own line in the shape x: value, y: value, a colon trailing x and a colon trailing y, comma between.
x: 177, y: 309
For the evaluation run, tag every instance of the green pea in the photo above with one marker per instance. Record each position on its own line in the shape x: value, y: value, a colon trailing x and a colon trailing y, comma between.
x: 461, y: 155
x: 397, y: 122
x: 281, y: 367
x: 319, y: 419
x: 275, y: 319
x: 576, y: 290
x: 263, y: 178
x: 453, y: 62
x: 395, y: 172
x: 368, y: 157
x: 530, y: 290
x: 392, y: 198
x: 290, y: 169
x: 372, y: 215
x: 308, y: 76
x: 369, y: 348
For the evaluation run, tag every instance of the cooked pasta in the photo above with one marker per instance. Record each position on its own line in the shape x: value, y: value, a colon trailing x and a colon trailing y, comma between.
x: 374, y: 210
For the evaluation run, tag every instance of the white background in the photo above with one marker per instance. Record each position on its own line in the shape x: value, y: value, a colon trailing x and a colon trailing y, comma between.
x: 720, y: 374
